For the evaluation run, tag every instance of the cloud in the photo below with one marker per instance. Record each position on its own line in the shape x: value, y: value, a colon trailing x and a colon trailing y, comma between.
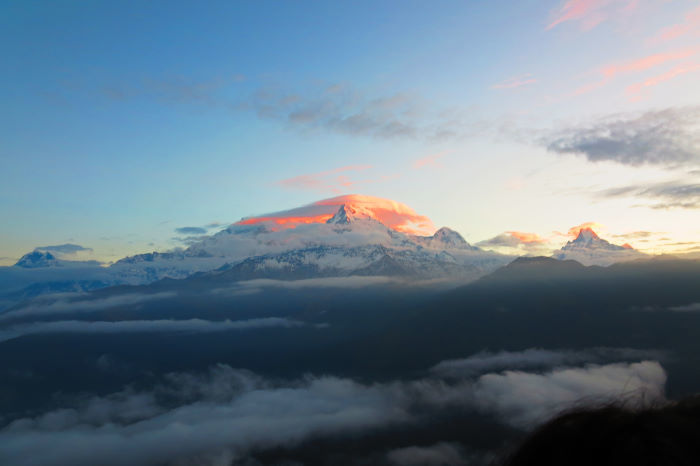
x: 258, y: 285
x: 514, y: 82
x: 67, y: 248
x: 344, y: 110
x: 517, y: 242
x: 432, y: 160
x: 534, y: 358
x: 394, y: 215
x: 439, y: 454
x: 590, y: 13
x: 692, y: 307
x: 144, y: 326
x: 574, y: 231
x: 645, y: 63
x: 191, y: 230
x: 222, y: 415
x: 669, y: 195
x: 523, y: 399
x: 690, y: 24
x: 327, y: 181
x: 634, y: 90
x: 667, y: 137
x: 62, y: 304
x: 611, y: 71
x: 203, y: 431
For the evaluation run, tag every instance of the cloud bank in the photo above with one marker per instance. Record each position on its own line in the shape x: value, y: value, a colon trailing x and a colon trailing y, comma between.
x: 144, y: 326
x: 219, y: 417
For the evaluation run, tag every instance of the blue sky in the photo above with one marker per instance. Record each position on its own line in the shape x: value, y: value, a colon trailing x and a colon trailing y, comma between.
x: 123, y: 121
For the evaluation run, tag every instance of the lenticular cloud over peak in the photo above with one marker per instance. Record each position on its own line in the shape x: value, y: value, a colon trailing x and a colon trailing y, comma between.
x: 393, y: 214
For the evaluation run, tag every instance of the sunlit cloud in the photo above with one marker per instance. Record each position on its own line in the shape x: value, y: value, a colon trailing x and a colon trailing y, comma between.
x: 432, y: 160
x: 689, y: 25
x: 611, y: 71
x: 394, y: 215
x: 516, y: 81
x: 634, y: 90
x: 527, y: 237
x: 590, y: 226
x: 678, y: 194
x: 645, y: 63
x: 590, y: 13
x: 517, y: 242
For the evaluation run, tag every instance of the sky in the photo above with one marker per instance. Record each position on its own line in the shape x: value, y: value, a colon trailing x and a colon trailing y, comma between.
x: 124, y: 123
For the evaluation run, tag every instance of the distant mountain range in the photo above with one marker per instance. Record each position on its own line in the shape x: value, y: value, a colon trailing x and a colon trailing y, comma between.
x: 344, y: 236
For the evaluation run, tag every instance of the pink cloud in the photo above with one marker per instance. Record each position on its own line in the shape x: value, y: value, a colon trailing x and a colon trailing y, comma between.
x: 634, y: 90
x: 590, y: 13
x: 650, y: 61
x: 517, y: 81
x: 611, y: 71
x: 690, y: 23
x: 431, y: 160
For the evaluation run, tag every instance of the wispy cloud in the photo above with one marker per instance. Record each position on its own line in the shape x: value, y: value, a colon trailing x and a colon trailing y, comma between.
x: 669, y: 195
x: 590, y: 13
x: 335, y: 181
x: 516, y: 81
x: 516, y: 242
x: 63, y: 304
x: 217, y: 418
x: 667, y: 137
x: 611, y: 71
x: 689, y: 25
x: 63, y: 248
x: 344, y: 110
x: 634, y: 90
x: 191, y: 230
x: 432, y: 160
x: 144, y: 326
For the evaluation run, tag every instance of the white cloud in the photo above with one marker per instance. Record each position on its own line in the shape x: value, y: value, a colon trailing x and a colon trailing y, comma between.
x: 486, y: 361
x: 49, y: 305
x: 134, y: 326
x: 523, y: 399
x: 222, y: 415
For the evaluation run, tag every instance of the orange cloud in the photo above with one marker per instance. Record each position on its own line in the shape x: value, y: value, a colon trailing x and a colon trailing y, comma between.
x: 591, y: 226
x: 528, y: 238
x: 394, y: 215
x: 514, y: 82
x: 691, y: 23
x: 330, y: 180
x: 590, y: 13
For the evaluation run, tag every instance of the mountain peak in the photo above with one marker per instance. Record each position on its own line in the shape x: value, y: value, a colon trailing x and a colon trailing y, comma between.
x: 341, y: 217
x: 586, y: 234
x: 589, y: 248
x: 450, y: 237
x: 36, y: 259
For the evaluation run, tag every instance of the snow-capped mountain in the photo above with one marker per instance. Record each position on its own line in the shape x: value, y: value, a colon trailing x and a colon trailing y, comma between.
x: 351, y: 241
x: 343, y: 236
x: 590, y: 249
x: 37, y: 259
x: 42, y: 259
